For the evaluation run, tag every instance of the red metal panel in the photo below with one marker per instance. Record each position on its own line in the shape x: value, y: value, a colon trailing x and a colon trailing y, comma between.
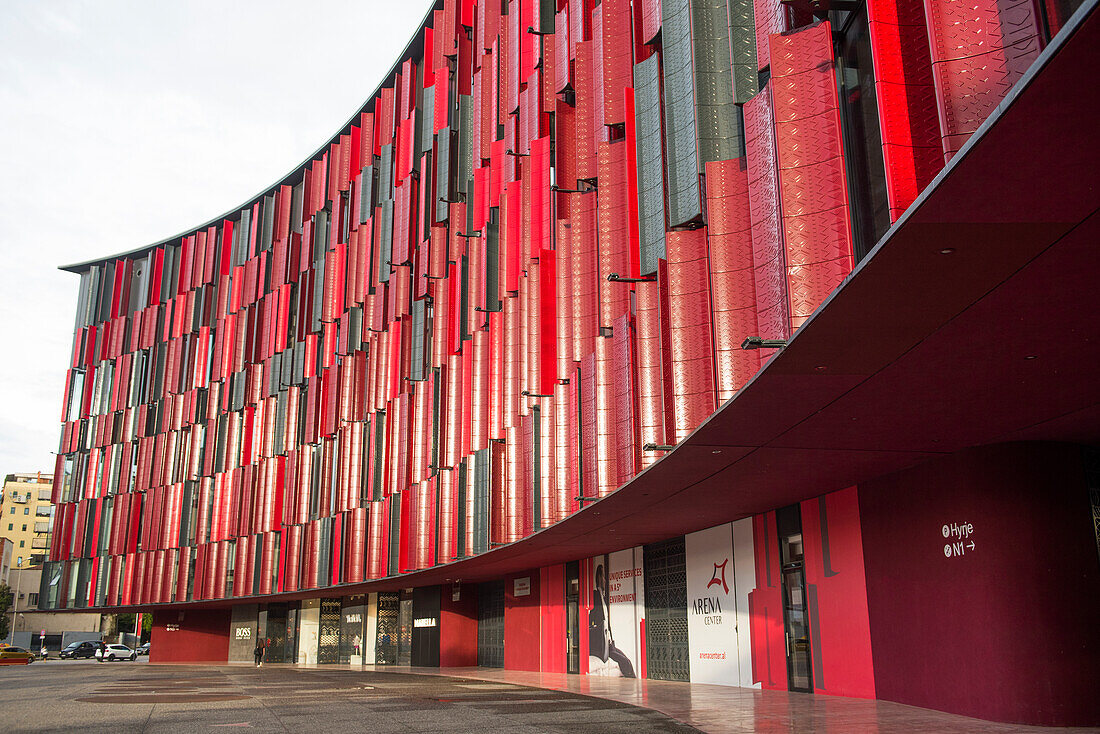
x: 618, y: 57
x: 691, y: 347
x: 733, y: 286
x: 614, y: 232
x: 769, y: 261
x: 586, y: 133
x: 979, y: 50
x: 812, y: 181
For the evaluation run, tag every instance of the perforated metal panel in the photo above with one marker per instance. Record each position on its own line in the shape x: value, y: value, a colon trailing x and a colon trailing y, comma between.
x: 651, y: 182
x: 746, y: 80
x: 328, y: 637
x: 681, y: 152
x: 718, y: 122
x: 385, y: 646
x: 666, y: 611
x: 490, y: 624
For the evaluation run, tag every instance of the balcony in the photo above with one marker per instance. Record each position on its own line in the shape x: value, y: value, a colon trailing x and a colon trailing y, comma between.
x: 40, y: 544
x: 42, y: 527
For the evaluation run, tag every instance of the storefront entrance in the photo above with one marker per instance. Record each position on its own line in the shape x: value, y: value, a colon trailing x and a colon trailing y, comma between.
x: 795, y: 617
x: 666, y: 635
x: 490, y: 625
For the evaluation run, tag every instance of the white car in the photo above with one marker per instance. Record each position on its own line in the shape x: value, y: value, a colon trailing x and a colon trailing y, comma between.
x: 115, y: 652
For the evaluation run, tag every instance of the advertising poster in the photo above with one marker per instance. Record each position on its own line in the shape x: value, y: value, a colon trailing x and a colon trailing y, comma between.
x: 618, y: 610
x: 712, y: 606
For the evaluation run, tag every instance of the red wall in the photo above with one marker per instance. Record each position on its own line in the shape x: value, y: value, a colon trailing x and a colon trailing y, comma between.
x: 202, y: 637
x: 552, y: 593
x: 769, y: 654
x: 1007, y: 631
x: 836, y: 593
x: 522, y: 625
x: 457, y: 627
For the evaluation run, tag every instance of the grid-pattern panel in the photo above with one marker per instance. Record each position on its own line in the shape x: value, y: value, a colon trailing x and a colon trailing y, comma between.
x: 667, y: 655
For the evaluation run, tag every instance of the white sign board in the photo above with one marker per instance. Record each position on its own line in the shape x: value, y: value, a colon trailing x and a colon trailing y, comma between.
x: 712, y: 606
x: 521, y: 587
x: 959, y: 537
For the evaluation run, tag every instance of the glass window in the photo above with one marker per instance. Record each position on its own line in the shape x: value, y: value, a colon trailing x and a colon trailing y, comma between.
x: 24, y: 527
x: 19, y: 561
x: 22, y: 544
x: 33, y: 599
x: 11, y: 526
x: 12, y: 511
x: 26, y: 510
x: 862, y: 137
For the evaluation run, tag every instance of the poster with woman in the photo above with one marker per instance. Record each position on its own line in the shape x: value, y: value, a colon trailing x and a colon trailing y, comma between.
x: 616, y: 617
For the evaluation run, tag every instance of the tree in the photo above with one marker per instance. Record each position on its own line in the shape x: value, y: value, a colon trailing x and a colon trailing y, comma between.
x: 6, y: 599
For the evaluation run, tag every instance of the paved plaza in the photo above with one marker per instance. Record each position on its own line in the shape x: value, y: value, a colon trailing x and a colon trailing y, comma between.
x: 142, y: 697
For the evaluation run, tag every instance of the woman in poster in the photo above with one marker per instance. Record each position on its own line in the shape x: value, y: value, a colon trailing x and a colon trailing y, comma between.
x: 601, y: 643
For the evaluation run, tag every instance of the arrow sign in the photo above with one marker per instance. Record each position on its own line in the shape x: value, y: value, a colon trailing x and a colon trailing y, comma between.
x: 971, y: 545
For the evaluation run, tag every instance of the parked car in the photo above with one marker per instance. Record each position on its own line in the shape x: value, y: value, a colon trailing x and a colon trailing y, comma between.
x: 76, y: 650
x: 144, y: 649
x: 11, y: 655
x: 116, y: 652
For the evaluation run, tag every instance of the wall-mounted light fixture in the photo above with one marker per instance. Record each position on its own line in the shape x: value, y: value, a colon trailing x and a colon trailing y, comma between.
x: 758, y: 342
x: 656, y: 447
x: 616, y: 278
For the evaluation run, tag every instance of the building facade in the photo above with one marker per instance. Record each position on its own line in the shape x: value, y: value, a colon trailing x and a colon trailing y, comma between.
x: 27, y: 509
x: 682, y: 340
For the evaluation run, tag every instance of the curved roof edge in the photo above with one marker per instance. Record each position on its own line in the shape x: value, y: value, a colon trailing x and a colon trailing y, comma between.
x: 414, y: 49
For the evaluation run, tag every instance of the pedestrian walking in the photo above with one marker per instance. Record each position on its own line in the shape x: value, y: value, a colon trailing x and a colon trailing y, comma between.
x: 102, y: 654
x: 258, y: 653
x: 45, y: 652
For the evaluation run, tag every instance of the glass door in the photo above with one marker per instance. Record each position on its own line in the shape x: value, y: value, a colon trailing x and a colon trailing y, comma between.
x: 796, y: 619
x: 572, y: 618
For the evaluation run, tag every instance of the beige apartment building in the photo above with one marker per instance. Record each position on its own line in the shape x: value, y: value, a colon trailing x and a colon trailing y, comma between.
x: 26, y: 517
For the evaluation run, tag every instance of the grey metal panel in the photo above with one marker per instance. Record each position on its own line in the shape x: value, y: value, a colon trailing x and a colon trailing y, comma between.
x: 425, y: 116
x: 355, y: 329
x: 746, y: 80
x: 242, y: 232
x: 393, y: 556
x: 366, y: 194
x: 385, y: 243
x: 318, y: 295
x: 718, y: 123
x: 461, y: 488
x: 651, y: 184
x: 443, y: 192
x: 465, y: 162
x: 416, y: 344
x: 320, y: 234
x: 492, y: 262
x: 482, y: 489
x: 268, y: 228
x: 385, y: 173
x: 681, y: 152
x: 547, y: 9
x: 297, y: 202
x: 379, y: 452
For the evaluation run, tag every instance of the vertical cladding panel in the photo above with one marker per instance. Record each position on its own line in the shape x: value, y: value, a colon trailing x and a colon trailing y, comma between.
x: 979, y: 51
x: 770, y: 18
x: 650, y: 11
x: 743, y: 50
x: 681, y: 145
x: 587, y: 430
x: 691, y: 347
x: 446, y: 546
x: 651, y: 186
x: 615, y: 27
x: 733, y: 287
x: 905, y: 95
x: 766, y: 629
x: 769, y: 261
x: 564, y: 290
x: 812, y: 181
x: 586, y: 134
x: 614, y: 232
x: 717, y: 119
x: 585, y: 269
x: 624, y: 399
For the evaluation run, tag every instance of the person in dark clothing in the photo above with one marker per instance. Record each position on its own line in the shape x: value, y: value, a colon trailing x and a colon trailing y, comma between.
x: 258, y: 653
x: 102, y: 655
x: 601, y: 644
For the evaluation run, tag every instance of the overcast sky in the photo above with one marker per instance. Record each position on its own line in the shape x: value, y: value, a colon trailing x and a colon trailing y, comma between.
x: 123, y: 123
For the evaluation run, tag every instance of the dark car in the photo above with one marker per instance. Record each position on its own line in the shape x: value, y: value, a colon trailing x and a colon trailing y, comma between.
x: 77, y: 650
x: 144, y: 649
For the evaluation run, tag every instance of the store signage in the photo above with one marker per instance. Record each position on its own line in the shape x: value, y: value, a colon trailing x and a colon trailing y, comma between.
x: 959, y: 537
x: 353, y: 618
x: 244, y: 633
x: 425, y: 622
x: 171, y: 628
x: 712, y: 618
x: 521, y: 587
